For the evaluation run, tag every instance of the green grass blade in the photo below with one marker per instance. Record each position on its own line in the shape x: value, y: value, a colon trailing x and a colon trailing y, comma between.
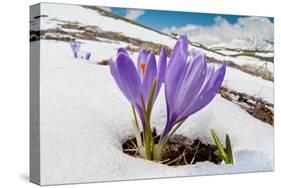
x: 220, y: 146
x: 228, y: 149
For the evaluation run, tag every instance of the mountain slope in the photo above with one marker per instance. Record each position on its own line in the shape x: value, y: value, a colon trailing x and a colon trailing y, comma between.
x: 253, y: 44
x: 86, y: 16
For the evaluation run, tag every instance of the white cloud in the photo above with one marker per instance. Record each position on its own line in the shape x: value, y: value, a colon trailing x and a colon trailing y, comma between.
x: 108, y: 9
x: 134, y: 14
x: 223, y: 31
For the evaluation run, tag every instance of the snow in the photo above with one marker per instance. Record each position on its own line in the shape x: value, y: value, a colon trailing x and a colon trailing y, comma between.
x: 85, y: 118
x: 228, y: 52
x: 243, y: 57
x: 71, y: 30
x: 268, y: 54
x: 240, y: 60
x: 235, y: 79
x: 76, y: 13
x: 240, y: 81
x: 101, y: 50
x: 251, y: 43
x: 248, y: 84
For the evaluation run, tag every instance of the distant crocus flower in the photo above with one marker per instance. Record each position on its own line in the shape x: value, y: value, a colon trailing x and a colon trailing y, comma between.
x: 190, y: 83
x: 75, y: 47
x: 88, y: 55
x: 136, y: 82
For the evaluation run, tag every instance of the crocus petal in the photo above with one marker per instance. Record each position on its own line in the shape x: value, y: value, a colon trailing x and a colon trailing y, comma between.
x: 75, y: 55
x: 168, y: 127
x: 75, y: 47
x: 126, y: 77
x: 123, y: 50
x: 176, y: 69
x: 78, y: 46
x: 209, y: 89
x: 179, y: 52
x: 162, y: 63
x: 141, y: 60
x: 193, y: 52
x: 150, y: 75
x: 88, y: 56
x: 115, y: 74
x: 194, y: 104
x: 212, y: 88
x: 190, y: 86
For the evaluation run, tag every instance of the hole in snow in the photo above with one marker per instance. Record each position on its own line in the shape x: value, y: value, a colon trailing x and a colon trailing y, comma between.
x: 179, y: 150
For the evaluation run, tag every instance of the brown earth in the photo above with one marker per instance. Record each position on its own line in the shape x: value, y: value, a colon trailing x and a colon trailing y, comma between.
x: 255, y: 106
x: 179, y: 150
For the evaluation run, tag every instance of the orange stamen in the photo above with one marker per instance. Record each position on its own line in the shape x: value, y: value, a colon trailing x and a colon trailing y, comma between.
x: 142, y: 68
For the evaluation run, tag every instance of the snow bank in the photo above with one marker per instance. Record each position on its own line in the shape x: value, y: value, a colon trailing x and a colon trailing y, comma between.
x: 84, y: 119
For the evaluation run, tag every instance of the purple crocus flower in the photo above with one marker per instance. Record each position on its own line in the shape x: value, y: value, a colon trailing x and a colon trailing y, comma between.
x: 88, y: 56
x: 75, y: 46
x: 190, y: 83
x: 136, y: 82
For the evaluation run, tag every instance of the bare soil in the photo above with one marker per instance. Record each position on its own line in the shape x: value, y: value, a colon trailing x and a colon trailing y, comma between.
x: 179, y: 150
x: 257, y: 107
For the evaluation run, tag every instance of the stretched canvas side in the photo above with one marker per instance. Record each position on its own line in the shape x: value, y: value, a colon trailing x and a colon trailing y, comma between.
x: 35, y: 100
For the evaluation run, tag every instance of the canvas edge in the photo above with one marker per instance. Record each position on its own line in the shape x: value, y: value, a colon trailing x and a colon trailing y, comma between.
x: 35, y: 162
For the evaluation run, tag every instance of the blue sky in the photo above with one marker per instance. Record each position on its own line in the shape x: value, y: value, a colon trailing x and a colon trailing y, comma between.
x: 163, y: 19
x: 205, y: 28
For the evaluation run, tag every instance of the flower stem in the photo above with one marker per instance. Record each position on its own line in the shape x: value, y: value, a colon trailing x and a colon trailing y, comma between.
x: 135, y: 118
x: 174, y: 130
x: 137, y: 129
x: 148, y: 137
x: 164, y: 140
x: 147, y: 133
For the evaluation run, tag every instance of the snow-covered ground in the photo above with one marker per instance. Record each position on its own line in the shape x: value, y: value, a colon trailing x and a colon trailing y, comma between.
x: 76, y: 13
x: 240, y: 60
x: 234, y: 79
x: 269, y: 54
x: 85, y: 118
x: 228, y: 52
x: 252, y: 43
x: 100, y: 50
x: 248, y: 84
x: 56, y: 14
